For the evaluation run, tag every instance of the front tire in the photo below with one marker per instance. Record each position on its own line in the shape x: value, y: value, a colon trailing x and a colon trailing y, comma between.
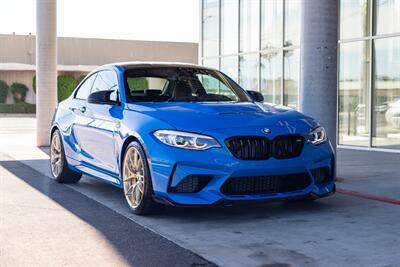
x: 137, y: 185
x: 58, y: 164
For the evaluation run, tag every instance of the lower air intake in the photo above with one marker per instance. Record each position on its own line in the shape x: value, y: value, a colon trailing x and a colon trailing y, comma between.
x: 321, y: 175
x: 252, y: 185
x: 191, y: 184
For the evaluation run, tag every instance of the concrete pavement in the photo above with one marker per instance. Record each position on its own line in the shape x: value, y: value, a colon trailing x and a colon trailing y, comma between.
x: 45, y: 224
x: 338, y: 231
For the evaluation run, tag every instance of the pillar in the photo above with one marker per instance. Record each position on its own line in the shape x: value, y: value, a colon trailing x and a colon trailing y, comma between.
x: 318, y: 72
x: 46, y: 67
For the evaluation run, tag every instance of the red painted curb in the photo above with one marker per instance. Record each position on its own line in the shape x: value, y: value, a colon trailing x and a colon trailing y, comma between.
x: 368, y: 196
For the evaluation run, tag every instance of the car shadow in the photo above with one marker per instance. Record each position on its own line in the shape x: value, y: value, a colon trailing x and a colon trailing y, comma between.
x: 122, y: 233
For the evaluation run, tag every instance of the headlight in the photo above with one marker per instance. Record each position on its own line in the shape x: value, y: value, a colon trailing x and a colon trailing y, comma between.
x: 317, y: 136
x: 186, y: 140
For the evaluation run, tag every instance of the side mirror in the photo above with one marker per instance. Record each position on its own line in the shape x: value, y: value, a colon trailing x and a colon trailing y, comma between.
x: 257, y: 96
x: 102, y: 97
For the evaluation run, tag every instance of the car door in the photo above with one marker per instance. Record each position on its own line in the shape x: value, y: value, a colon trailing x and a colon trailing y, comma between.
x: 99, y: 143
x: 79, y: 120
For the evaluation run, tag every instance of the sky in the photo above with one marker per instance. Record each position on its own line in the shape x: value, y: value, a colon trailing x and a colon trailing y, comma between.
x: 156, y: 20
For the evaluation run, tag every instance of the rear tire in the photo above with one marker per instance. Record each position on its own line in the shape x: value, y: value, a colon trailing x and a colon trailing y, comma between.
x: 58, y: 164
x: 137, y: 185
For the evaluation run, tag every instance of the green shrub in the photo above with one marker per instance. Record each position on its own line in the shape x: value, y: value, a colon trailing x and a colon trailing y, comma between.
x: 79, y: 79
x: 34, y: 84
x: 65, y: 86
x: 19, y: 91
x: 3, y: 91
x: 18, y: 108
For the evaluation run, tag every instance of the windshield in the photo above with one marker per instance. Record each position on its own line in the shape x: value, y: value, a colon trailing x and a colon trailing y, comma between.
x: 172, y: 84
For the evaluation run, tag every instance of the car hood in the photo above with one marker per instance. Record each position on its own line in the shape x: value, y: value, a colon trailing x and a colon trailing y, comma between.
x: 204, y: 117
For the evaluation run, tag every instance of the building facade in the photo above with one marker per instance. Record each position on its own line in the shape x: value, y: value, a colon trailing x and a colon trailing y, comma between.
x: 78, y: 56
x: 257, y: 42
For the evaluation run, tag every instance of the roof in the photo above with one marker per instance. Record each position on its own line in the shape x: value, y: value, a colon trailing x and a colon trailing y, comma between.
x: 141, y: 64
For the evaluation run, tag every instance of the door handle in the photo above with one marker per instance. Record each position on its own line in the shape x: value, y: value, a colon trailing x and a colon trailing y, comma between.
x: 81, y: 109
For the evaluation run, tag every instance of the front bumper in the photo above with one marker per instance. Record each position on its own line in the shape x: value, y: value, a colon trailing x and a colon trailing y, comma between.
x: 170, y: 166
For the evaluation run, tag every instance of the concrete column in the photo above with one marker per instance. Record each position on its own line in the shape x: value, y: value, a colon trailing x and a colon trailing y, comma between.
x: 318, y: 72
x: 46, y: 67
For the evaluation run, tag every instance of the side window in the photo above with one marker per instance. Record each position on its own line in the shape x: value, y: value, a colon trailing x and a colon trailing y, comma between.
x: 84, y: 90
x: 106, y: 81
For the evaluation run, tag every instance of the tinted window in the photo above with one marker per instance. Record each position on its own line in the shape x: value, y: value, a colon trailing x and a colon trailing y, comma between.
x: 180, y: 84
x: 145, y: 83
x: 213, y: 86
x: 84, y: 89
x: 106, y: 81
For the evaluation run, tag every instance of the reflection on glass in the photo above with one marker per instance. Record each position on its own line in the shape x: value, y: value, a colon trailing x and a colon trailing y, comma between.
x: 292, y: 22
x: 386, y: 93
x: 229, y: 24
x: 249, y: 25
x: 271, y: 77
x: 210, y: 28
x: 291, y: 61
x: 387, y: 16
x: 229, y: 66
x: 211, y: 62
x: 271, y: 23
x: 248, y: 71
x: 354, y: 94
x: 354, y: 18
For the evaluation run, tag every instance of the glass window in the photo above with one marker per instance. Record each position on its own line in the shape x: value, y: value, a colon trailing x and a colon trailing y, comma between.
x: 168, y: 84
x: 354, y: 94
x: 249, y: 25
x: 271, y: 24
x: 271, y: 77
x: 229, y: 26
x: 210, y: 28
x: 387, y: 16
x: 291, y: 61
x: 106, y: 81
x: 292, y: 22
x: 211, y: 63
x: 354, y: 18
x: 386, y: 93
x: 248, y: 71
x: 229, y: 66
x: 145, y: 83
x: 84, y: 90
x: 214, y: 86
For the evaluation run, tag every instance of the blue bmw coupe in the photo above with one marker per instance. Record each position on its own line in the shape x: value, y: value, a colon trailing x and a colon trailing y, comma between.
x: 183, y: 134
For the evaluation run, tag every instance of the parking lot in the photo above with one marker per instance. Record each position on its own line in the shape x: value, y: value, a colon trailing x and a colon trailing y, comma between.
x: 90, y: 221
